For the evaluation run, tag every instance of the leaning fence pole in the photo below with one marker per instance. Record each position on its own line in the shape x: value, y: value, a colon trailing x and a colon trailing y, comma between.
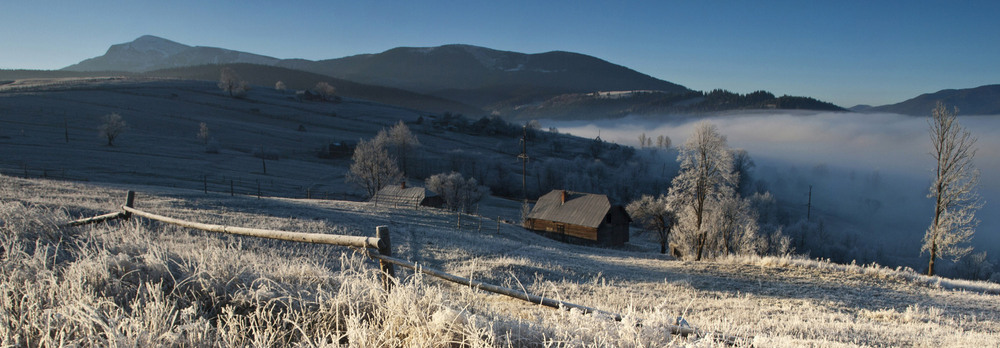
x: 385, y: 249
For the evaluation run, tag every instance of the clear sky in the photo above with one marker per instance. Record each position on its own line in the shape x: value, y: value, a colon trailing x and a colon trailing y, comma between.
x: 845, y: 52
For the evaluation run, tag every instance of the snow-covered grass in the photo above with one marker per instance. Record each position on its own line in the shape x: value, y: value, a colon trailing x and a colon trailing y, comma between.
x: 150, y: 283
x: 905, y: 274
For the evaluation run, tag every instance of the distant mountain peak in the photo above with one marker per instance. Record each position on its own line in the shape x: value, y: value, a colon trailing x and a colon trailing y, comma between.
x: 149, y: 52
x: 148, y: 44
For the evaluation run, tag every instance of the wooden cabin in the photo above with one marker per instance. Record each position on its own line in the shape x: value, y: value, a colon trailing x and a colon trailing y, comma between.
x: 403, y: 197
x: 579, y: 217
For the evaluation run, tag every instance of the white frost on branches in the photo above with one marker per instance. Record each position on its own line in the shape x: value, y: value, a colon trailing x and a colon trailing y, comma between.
x: 458, y: 192
x: 953, y: 189
x: 706, y: 178
x: 372, y: 167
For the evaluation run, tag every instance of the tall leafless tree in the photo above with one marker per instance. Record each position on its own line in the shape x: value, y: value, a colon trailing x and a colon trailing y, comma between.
x: 706, y: 175
x: 953, y: 189
x: 112, y: 125
x: 402, y: 141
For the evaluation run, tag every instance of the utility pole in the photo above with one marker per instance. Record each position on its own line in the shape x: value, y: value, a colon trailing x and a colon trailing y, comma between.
x: 524, y: 162
x: 809, y: 204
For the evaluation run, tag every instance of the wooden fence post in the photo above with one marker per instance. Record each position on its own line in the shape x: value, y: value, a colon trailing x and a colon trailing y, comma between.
x: 385, y: 248
x: 129, y: 202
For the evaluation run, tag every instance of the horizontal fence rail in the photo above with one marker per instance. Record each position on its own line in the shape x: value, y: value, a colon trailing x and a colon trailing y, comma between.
x: 315, y: 238
x: 383, y: 253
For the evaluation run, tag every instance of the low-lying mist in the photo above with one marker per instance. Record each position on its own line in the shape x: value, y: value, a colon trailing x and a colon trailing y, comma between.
x: 869, y: 173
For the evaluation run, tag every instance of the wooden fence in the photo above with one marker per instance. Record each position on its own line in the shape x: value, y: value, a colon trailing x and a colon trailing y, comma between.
x: 383, y: 253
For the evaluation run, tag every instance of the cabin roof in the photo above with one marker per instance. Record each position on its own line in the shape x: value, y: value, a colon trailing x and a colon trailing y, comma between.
x: 396, y: 194
x: 584, y: 209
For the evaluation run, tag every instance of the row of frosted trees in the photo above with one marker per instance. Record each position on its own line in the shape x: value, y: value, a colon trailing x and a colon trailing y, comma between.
x: 709, y: 212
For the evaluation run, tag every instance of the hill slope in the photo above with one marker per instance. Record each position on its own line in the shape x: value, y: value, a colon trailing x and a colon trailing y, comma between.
x: 267, y: 76
x: 483, y: 76
x: 164, y: 285
x: 269, y: 137
x: 982, y: 100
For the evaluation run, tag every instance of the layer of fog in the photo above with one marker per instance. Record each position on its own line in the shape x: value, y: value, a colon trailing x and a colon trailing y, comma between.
x: 869, y: 172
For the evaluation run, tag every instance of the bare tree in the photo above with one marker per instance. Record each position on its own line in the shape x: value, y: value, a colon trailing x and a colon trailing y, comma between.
x: 645, y: 141
x: 111, y: 127
x: 231, y: 82
x: 706, y: 176
x: 458, y: 192
x: 372, y: 167
x: 203, y: 134
x: 953, y: 189
x: 662, y: 142
x: 652, y: 213
x: 402, y: 140
x: 325, y: 89
x: 743, y: 165
x: 280, y: 86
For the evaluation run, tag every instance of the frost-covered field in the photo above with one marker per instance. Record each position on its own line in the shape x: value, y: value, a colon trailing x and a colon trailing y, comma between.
x: 141, y: 283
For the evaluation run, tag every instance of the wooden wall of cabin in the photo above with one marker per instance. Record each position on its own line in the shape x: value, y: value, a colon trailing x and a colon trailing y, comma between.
x: 578, y: 231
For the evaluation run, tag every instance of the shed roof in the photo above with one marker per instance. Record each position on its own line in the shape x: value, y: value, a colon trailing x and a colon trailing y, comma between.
x: 397, y: 195
x: 584, y: 209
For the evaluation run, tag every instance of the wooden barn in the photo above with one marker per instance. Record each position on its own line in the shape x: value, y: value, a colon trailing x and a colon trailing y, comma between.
x: 579, y: 217
x: 404, y: 197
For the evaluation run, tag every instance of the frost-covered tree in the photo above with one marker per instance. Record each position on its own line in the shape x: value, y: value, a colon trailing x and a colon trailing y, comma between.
x: 652, y: 213
x: 230, y: 82
x: 402, y: 141
x: 706, y: 176
x: 458, y: 192
x: 372, y: 167
x: 325, y: 89
x: 953, y: 189
x: 734, y: 226
x: 112, y: 125
x: 203, y: 133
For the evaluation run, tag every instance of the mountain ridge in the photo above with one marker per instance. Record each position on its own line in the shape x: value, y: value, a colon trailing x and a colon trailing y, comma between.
x: 509, y: 84
x: 982, y: 100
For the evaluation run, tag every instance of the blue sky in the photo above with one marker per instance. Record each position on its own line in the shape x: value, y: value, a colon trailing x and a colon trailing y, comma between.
x: 845, y: 52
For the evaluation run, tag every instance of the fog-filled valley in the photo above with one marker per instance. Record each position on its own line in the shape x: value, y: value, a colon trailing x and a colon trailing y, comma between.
x: 869, y: 175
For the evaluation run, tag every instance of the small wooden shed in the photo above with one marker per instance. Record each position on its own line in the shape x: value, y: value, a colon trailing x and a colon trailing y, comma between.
x: 407, y: 197
x: 579, y: 217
